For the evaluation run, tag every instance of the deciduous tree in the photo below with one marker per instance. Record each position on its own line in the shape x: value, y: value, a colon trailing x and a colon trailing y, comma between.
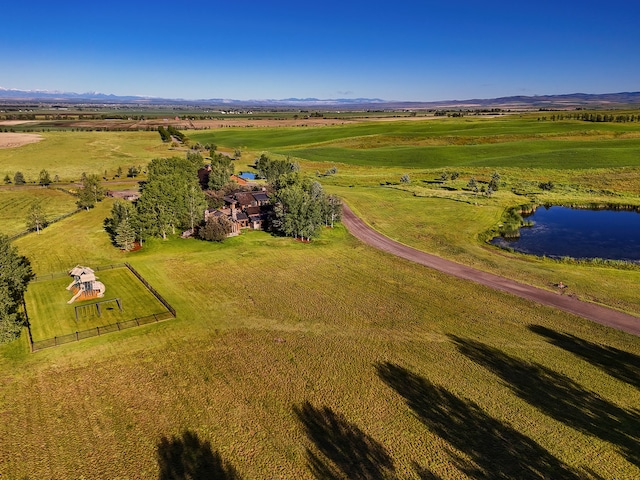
x: 221, y: 170
x: 43, y: 178
x: 216, y: 229
x: 91, y: 192
x: 15, y: 274
x: 36, y: 218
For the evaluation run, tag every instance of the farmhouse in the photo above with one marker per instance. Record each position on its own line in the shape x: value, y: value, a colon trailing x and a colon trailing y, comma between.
x: 244, y: 210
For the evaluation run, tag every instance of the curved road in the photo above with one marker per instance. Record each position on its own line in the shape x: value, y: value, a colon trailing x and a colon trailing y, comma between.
x: 591, y: 311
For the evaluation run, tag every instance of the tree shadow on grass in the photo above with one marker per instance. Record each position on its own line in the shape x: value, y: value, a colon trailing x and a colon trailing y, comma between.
x: 342, y: 450
x: 561, y: 398
x: 619, y: 364
x: 188, y: 457
x: 496, y: 450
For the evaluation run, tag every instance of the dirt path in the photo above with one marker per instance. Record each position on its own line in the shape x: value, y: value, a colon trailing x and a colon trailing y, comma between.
x: 603, y: 315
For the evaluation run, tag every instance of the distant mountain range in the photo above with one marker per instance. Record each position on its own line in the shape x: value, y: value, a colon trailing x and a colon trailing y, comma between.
x: 572, y: 100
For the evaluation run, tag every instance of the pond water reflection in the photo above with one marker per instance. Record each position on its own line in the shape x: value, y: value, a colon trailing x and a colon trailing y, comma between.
x: 579, y: 233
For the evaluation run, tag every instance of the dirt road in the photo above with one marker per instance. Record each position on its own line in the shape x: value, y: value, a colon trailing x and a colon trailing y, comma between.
x: 603, y: 315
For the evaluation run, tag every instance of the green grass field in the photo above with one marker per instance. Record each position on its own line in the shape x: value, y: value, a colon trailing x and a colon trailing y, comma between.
x: 15, y: 203
x: 50, y: 315
x: 290, y: 360
x: 69, y: 154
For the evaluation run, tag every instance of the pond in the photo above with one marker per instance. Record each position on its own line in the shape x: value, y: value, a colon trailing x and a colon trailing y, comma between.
x: 579, y: 233
x: 248, y: 175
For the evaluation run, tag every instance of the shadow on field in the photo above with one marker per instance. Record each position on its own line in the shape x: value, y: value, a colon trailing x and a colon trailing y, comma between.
x: 188, y: 457
x: 342, y: 450
x: 561, y: 398
x: 496, y: 450
x: 619, y: 364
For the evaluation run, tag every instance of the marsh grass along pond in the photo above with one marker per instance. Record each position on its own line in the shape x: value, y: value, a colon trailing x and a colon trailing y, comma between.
x: 579, y: 233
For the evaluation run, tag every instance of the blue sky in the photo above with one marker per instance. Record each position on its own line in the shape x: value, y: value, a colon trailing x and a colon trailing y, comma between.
x: 272, y: 49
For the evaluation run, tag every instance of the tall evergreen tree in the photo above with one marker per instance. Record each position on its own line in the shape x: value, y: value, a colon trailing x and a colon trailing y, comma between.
x: 18, y: 178
x: 125, y: 235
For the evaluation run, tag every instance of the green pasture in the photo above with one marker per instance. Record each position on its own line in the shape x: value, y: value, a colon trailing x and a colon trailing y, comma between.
x: 50, y: 315
x: 283, y: 352
x: 520, y: 142
x: 522, y: 154
x: 396, y: 133
x: 15, y: 203
x: 69, y: 154
x: 290, y: 360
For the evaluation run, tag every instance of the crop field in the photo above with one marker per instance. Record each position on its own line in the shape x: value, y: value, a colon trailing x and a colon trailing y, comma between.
x: 16, y: 201
x: 334, y: 360
x: 50, y: 315
x: 505, y: 142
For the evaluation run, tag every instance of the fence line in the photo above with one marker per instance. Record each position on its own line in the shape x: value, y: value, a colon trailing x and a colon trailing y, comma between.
x: 57, y: 219
x: 97, y: 331
x: 51, y: 276
x: 151, y: 289
x: 101, y: 330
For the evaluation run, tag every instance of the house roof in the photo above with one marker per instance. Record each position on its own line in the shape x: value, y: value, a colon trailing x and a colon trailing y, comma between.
x: 245, y: 198
x: 242, y: 216
x: 260, y: 196
x: 238, y: 180
x: 253, y: 210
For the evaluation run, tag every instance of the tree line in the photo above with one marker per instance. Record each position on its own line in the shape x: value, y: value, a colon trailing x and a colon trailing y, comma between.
x: 15, y: 275
x: 593, y: 117
x: 170, y: 199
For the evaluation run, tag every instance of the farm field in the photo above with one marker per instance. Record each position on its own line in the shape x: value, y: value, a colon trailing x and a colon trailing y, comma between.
x: 290, y: 360
x: 69, y: 154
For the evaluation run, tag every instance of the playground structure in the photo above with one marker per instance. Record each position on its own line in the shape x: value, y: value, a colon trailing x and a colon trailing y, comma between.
x: 95, y: 307
x: 85, y: 284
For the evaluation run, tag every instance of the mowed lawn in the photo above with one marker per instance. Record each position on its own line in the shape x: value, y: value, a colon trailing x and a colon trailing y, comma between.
x: 290, y: 359
x: 50, y: 315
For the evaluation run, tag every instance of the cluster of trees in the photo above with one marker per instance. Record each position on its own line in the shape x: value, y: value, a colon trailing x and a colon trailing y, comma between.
x: 171, y: 132
x: 300, y: 206
x: 170, y: 199
x: 222, y: 168
x: 492, y: 186
x: 593, y: 117
x: 271, y: 170
x: 15, y: 275
x: 44, y: 178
